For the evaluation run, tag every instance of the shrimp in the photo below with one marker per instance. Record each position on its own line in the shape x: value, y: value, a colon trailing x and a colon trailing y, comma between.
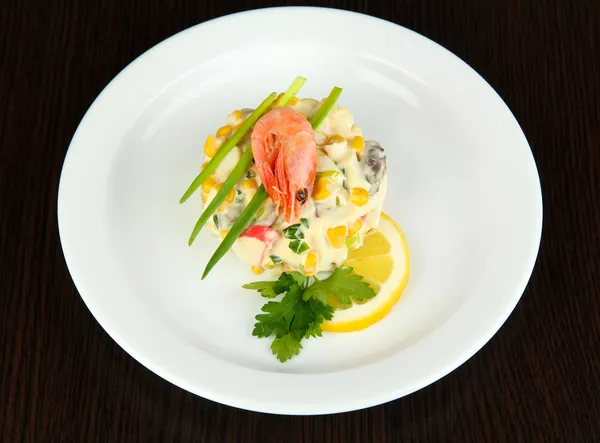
x: 284, y: 149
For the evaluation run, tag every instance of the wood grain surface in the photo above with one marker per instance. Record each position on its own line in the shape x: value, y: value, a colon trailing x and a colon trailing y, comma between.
x: 63, y: 379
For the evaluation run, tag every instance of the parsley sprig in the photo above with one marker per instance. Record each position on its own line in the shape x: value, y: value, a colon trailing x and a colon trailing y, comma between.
x: 303, y: 307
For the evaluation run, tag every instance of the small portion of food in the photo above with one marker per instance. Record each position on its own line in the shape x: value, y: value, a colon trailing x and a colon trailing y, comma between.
x: 218, y: 148
x: 326, y: 188
x: 295, y: 189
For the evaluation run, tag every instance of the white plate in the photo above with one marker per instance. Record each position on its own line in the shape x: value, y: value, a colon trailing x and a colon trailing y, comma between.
x: 462, y: 184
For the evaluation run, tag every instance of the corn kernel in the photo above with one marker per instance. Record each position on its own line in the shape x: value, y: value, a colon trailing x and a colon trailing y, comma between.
x: 335, y: 139
x: 223, y: 233
x: 310, y: 265
x: 204, y: 166
x: 320, y: 191
x: 218, y: 187
x: 210, y: 146
x: 293, y: 100
x: 249, y: 183
x: 208, y: 184
x: 337, y: 236
x: 224, y: 131
x: 257, y: 270
x: 355, y: 227
x: 359, y: 196
x: 357, y: 143
x: 237, y: 127
x: 230, y: 196
x: 237, y: 114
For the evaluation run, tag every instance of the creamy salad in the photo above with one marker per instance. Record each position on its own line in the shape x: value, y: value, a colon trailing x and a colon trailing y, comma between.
x: 346, y: 199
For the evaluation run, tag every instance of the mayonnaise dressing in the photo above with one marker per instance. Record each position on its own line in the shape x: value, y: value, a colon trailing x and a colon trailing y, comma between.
x: 332, y: 222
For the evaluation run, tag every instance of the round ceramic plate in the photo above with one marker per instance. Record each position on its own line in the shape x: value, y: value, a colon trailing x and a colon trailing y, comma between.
x: 463, y: 185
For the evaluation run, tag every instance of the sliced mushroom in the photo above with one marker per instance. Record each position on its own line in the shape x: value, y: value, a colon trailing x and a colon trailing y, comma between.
x: 372, y: 160
x: 246, y: 112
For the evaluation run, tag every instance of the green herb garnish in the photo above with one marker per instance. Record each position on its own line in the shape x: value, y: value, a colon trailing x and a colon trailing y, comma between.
x: 240, y: 168
x: 261, y: 195
x: 294, y: 232
x: 342, y: 284
x: 228, y: 146
x: 239, y: 198
x: 303, y: 308
x: 236, y: 174
x: 351, y: 241
x: 290, y: 320
x: 238, y: 227
x: 327, y: 105
x: 330, y: 173
x: 271, y: 289
x: 298, y: 246
x: 305, y: 222
x: 291, y: 92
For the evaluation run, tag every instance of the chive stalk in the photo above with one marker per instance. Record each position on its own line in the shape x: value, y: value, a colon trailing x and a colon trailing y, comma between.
x: 238, y: 227
x: 291, y: 92
x: 325, y: 108
x: 228, y: 146
x: 240, y: 168
x: 261, y: 194
x: 237, y: 173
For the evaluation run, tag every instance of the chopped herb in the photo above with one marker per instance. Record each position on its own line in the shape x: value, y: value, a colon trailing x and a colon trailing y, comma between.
x: 351, y: 241
x: 275, y: 259
x: 260, y: 213
x: 299, y: 246
x: 239, y: 198
x: 305, y: 222
x: 294, y: 232
x: 250, y: 174
x: 329, y: 173
x: 304, y: 307
x: 216, y: 221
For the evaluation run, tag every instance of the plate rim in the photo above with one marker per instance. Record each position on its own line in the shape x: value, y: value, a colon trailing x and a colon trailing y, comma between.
x: 300, y: 409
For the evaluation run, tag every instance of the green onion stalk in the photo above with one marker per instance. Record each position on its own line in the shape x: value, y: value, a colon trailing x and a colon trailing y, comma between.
x: 228, y: 146
x: 240, y: 168
x: 261, y: 195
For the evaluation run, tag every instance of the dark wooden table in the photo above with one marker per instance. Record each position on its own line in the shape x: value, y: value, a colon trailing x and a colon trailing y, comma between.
x: 63, y: 379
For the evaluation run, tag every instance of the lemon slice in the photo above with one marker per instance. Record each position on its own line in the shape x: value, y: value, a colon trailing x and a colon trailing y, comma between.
x: 383, y: 261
